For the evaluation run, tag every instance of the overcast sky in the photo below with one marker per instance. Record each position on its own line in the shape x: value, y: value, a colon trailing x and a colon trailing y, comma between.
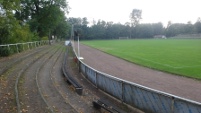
x: 153, y: 11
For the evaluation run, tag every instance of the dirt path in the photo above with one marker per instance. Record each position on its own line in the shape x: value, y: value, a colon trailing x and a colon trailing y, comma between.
x: 176, y: 85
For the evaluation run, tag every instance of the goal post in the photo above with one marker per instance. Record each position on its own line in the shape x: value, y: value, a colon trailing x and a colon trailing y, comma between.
x: 123, y: 38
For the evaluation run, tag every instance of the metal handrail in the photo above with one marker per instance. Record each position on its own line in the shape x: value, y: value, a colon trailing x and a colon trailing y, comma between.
x: 167, y: 95
x: 37, y: 43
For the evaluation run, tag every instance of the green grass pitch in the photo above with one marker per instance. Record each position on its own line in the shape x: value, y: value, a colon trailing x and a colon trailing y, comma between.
x: 178, y: 56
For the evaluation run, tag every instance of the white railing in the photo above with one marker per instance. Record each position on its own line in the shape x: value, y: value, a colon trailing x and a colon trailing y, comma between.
x: 18, y: 47
x: 144, y: 98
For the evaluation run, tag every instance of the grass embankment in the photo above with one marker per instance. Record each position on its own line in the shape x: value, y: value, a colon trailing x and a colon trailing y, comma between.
x: 178, y: 56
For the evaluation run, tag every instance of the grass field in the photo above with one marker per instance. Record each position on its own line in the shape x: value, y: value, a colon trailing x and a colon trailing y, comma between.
x: 178, y: 56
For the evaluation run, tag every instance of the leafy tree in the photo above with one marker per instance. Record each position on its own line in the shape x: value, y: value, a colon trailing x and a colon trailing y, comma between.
x: 98, y: 30
x: 80, y: 24
x: 10, y: 29
x: 84, y: 21
x: 109, y: 30
x: 135, y: 17
x: 198, y: 25
x: 169, y: 24
x: 189, y: 28
x: 43, y: 16
x: 75, y: 21
x: 61, y: 30
x: 157, y: 28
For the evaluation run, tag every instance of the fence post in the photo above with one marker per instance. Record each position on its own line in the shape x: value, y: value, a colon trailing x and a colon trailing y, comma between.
x: 8, y: 47
x: 172, y: 105
x: 17, y: 48
x: 28, y: 45
x: 96, y: 79
x: 85, y: 71
x: 23, y: 46
x: 79, y: 66
x: 122, y: 95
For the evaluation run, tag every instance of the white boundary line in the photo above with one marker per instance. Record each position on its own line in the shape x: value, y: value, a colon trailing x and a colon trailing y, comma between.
x: 167, y: 65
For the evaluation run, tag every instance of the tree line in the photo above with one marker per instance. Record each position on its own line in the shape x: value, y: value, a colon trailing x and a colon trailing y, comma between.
x: 109, y: 30
x: 31, y: 20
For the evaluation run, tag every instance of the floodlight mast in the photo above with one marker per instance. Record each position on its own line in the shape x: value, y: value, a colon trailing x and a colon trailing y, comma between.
x: 78, y: 44
x: 78, y: 41
x: 72, y: 35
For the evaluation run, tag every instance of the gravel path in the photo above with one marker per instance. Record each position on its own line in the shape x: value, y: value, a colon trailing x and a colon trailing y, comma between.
x: 176, y: 85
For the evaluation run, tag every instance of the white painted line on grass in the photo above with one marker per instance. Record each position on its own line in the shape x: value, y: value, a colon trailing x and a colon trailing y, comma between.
x: 167, y: 65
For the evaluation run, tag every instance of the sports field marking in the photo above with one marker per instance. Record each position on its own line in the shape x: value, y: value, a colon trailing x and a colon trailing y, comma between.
x: 188, y: 66
x: 167, y: 65
x: 154, y: 62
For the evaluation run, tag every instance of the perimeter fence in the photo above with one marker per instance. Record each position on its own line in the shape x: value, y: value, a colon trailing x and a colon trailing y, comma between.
x: 144, y: 98
x: 7, y: 49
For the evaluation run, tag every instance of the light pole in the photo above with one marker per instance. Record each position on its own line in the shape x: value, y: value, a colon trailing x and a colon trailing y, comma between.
x: 78, y: 41
x: 72, y: 36
x: 78, y: 44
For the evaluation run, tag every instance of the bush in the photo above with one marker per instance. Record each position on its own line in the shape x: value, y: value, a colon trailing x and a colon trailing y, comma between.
x: 44, y: 38
x: 4, y: 51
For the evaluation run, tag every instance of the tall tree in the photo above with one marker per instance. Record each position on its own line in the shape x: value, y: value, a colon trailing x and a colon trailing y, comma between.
x: 198, y: 25
x: 135, y: 17
x: 157, y: 28
x: 85, y: 21
x: 8, y: 23
x: 42, y: 15
x: 62, y: 29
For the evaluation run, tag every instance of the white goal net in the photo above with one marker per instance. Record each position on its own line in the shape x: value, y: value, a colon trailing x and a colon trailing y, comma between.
x: 123, y: 38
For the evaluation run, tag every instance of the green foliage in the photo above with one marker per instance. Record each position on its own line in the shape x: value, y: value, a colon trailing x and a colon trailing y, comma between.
x: 43, y: 16
x: 198, y: 26
x: 11, y: 31
x: 44, y: 38
x: 28, y: 20
x: 4, y: 51
x: 181, y: 57
x: 23, y: 34
x: 62, y: 28
x: 110, y: 30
